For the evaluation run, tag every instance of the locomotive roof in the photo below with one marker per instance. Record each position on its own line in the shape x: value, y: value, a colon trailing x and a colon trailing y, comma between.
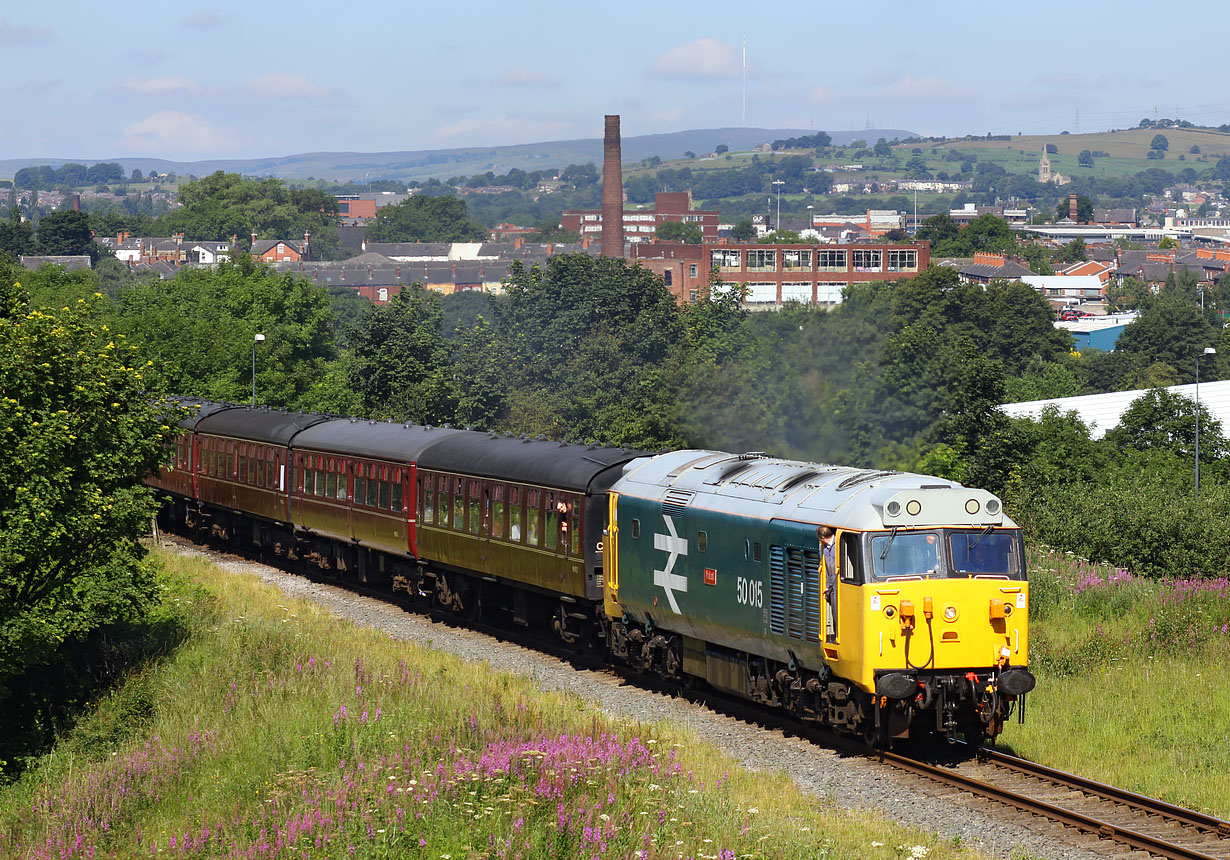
x: 771, y: 488
x: 379, y: 440
x: 533, y: 461
x: 272, y: 426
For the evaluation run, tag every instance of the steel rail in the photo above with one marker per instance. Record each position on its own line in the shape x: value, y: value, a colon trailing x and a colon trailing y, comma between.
x: 1085, y: 823
x: 1189, y: 817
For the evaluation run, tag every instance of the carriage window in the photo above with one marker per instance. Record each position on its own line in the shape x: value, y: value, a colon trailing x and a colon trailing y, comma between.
x: 459, y: 506
x: 636, y: 529
x: 243, y: 469
x: 574, y: 527
x: 445, y: 504
x: 373, y: 492
x: 531, y: 517
x: 322, y: 478
x: 550, y: 526
x: 360, y: 489
x: 514, y: 514
x: 476, y: 510
x: 497, y: 512
x: 425, y: 510
x: 340, y: 495
x: 398, y: 500
x: 331, y: 485
x: 386, y: 490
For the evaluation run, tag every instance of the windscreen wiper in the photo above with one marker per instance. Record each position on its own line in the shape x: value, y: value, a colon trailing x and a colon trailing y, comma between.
x: 978, y: 539
x: 891, y: 535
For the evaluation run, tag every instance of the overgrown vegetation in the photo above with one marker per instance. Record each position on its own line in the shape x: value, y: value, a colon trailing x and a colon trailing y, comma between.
x: 1128, y: 688
x: 277, y: 730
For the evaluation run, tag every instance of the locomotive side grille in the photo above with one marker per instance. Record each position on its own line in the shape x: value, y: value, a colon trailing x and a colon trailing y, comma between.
x: 811, y: 586
x: 777, y: 589
x: 796, y: 615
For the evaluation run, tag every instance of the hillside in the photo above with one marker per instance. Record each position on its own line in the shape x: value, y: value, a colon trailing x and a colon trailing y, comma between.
x: 443, y: 163
x: 1119, y: 144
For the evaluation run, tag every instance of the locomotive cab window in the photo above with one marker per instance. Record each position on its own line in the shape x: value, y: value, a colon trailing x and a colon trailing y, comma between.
x: 851, y: 569
x: 702, y: 541
x: 906, y: 555
x: 984, y: 554
x: 636, y: 529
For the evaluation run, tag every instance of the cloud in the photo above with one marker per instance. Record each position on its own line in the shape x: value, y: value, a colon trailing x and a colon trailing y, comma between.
x: 669, y: 115
x: 208, y: 20
x: 174, y: 131
x: 703, y: 59
x: 926, y: 88
x: 14, y: 34
x: 286, y: 85
x: 166, y: 84
x: 523, y: 76
x: 504, y: 128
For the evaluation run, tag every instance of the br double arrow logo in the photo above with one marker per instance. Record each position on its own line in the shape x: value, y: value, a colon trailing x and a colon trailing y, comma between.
x: 675, y: 546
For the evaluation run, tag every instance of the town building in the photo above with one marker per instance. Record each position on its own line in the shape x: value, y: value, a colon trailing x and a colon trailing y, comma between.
x: 641, y: 225
x: 1102, y: 412
x: 770, y: 275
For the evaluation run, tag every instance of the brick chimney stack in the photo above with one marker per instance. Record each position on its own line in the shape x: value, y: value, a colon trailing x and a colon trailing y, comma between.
x: 612, y: 191
x: 1072, y: 207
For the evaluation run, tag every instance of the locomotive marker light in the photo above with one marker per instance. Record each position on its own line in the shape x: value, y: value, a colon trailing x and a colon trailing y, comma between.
x: 257, y: 338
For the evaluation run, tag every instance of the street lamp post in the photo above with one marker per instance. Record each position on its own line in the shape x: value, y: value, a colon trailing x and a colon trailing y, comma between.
x: 1208, y: 350
x: 258, y: 338
x: 779, y: 183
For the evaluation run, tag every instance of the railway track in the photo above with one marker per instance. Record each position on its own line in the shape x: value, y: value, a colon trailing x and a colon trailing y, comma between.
x: 1113, y: 817
x: 1110, y: 820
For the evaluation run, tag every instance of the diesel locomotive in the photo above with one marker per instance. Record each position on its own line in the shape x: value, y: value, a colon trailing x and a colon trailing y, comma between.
x: 700, y: 567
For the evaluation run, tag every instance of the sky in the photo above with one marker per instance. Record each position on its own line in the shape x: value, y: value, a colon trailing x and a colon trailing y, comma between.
x: 203, y: 79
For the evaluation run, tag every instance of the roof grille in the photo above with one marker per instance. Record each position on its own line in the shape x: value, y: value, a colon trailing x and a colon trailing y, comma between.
x: 675, y: 502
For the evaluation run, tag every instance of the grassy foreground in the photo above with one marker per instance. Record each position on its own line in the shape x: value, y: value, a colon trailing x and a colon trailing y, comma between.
x: 1131, y: 685
x: 278, y: 731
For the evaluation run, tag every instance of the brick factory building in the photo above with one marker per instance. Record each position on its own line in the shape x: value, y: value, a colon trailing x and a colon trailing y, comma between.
x: 774, y: 274
x: 640, y: 225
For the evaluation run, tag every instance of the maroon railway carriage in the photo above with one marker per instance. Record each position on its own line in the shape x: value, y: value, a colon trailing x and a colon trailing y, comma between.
x: 354, y: 483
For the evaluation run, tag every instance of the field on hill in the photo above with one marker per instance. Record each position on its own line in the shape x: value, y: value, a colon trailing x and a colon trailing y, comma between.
x: 1118, y: 144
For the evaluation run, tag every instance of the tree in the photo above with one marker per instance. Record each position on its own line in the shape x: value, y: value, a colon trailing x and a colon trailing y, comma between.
x: 1172, y: 332
x: 687, y: 232
x: 80, y: 433
x: 1159, y: 143
x: 137, y: 176
x: 938, y: 228
x: 425, y: 219
x: 16, y: 236
x: 882, y: 149
x: 197, y: 328
x: 721, y: 149
x: 67, y: 234
x: 689, y: 154
x: 744, y: 231
x: 402, y: 369
x: 1073, y: 252
x: 1165, y: 421
x: 1052, y: 149
x: 1085, y: 159
x: 1084, y: 208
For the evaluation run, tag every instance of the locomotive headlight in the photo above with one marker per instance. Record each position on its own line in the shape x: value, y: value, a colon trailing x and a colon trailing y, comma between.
x: 889, y: 612
x: 950, y: 613
x: 913, y: 507
x: 893, y: 509
x: 971, y: 507
x: 992, y: 506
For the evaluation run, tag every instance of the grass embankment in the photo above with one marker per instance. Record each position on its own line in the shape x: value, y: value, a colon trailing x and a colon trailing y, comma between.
x: 278, y: 731
x: 1132, y: 689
